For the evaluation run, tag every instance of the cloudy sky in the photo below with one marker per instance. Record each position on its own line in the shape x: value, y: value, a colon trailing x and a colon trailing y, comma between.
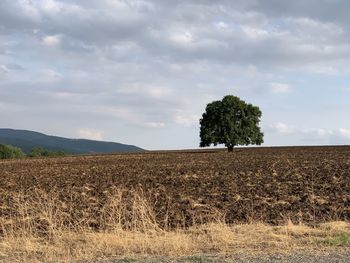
x: 142, y: 71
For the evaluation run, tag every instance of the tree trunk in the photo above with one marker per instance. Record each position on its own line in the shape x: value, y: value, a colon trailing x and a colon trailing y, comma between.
x: 230, y: 148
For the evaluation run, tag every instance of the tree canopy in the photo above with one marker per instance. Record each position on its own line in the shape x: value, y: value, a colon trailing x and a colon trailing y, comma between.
x: 231, y: 122
x: 10, y: 152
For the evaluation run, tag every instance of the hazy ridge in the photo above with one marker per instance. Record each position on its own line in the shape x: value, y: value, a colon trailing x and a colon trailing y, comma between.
x: 27, y: 140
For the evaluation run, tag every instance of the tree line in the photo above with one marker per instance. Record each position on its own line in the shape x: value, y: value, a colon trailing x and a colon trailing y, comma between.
x: 13, y: 152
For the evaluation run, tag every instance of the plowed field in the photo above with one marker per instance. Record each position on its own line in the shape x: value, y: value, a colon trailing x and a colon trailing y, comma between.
x: 272, y: 185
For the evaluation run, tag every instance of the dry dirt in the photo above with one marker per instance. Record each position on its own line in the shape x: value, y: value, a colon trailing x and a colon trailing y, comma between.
x: 289, y: 203
x: 271, y: 185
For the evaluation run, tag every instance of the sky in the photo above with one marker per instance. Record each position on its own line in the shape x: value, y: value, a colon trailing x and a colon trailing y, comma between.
x: 142, y: 71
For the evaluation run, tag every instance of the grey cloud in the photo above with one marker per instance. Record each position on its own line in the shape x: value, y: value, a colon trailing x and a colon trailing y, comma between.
x: 186, y: 30
x: 13, y: 66
x: 158, y: 62
x: 14, y: 16
x: 310, y: 135
x: 323, y: 10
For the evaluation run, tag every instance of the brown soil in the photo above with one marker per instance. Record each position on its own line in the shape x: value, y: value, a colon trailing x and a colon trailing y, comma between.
x: 271, y: 185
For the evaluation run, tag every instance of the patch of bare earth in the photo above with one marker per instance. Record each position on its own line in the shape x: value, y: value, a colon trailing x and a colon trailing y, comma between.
x: 181, y: 206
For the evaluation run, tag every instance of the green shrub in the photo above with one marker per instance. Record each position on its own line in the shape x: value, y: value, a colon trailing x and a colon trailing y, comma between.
x: 38, y: 152
x: 57, y: 153
x: 42, y: 152
x: 10, y: 152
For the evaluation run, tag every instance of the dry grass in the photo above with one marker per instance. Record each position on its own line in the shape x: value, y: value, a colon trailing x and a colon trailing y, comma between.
x: 37, y: 227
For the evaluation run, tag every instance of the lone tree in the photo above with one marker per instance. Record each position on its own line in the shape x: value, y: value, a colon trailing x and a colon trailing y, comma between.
x: 232, y: 122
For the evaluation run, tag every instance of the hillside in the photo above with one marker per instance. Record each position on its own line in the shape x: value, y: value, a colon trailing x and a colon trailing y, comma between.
x: 27, y: 140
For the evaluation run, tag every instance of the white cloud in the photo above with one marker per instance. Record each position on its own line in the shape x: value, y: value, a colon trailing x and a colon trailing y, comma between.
x: 159, y: 92
x: 316, y: 133
x: 344, y: 133
x: 182, y: 38
x: 63, y: 95
x: 300, y: 25
x: 52, y: 40
x: 156, y: 125
x: 323, y: 69
x: 312, y: 135
x: 51, y: 6
x: 279, y: 87
x: 50, y: 75
x: 281, y: 127
x: 4, y: 69
x: 284, y: 128
x: 150, y: 90
x: 254, y: 32
x: 221, y: 25
x: 89, y: 134
x: 327, y: 136
x: 187, y: 120
x: 28, y: 9
x: 122, y: 113
x: 129, y: 4
x: 128, y: 116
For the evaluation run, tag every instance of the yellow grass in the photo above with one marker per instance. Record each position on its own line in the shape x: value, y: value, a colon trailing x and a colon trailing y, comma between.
x: 38, y: 229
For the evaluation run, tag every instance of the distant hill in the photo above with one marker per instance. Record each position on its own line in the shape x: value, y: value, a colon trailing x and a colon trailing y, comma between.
x: 27, y: 140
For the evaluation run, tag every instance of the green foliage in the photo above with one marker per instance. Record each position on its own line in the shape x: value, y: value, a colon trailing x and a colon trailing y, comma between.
x: 340, y: 240
x: 10, y: 152
x: 231, y: 122
x: 41, y: 152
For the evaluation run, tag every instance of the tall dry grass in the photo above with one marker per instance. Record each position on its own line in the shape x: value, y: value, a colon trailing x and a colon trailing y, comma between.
x: 38, y: 227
